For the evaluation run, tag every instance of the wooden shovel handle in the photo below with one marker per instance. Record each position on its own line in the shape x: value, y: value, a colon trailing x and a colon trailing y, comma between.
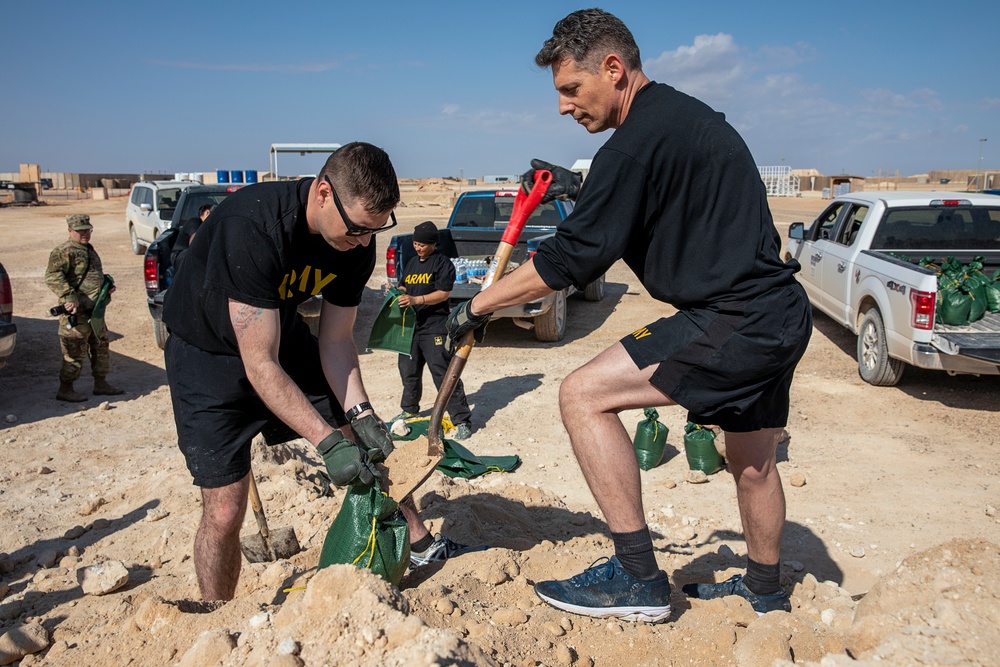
x: 258, y: 508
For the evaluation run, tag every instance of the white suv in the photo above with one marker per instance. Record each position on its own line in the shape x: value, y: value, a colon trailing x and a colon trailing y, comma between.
x: 151, y: 204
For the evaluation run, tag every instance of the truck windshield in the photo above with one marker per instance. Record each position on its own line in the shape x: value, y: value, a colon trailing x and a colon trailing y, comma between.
x: 193, y: 202
x: 939, y: 228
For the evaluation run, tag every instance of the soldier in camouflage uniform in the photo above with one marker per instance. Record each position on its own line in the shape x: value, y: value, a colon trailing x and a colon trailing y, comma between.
x: 75, y: 275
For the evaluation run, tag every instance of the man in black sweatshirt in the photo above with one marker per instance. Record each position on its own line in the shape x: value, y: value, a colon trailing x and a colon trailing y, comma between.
x: 676, y: 194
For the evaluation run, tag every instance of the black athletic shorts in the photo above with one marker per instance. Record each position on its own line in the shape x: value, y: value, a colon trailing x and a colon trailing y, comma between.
x: 218, y: 412
x: 730, y: 364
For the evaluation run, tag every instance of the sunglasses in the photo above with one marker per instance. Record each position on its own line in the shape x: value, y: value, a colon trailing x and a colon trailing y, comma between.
x: 353, y: 229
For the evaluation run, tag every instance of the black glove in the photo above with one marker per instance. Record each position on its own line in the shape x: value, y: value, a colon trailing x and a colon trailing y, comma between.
x: 371, y: 434
x: 565, y: 183
x: 346, y: 463
x: 461, y: 321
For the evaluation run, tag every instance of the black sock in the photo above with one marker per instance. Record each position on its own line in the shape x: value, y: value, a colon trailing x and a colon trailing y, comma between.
x: 422, y: 544
x: 762, y: 579
x: 635, y: 551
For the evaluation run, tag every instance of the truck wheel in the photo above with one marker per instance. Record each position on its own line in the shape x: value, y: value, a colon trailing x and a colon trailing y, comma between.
x: 551, y: 326
x: 160, y: 333
x: 137, y: 247
x: 595, y: 290
x: 875, y: 365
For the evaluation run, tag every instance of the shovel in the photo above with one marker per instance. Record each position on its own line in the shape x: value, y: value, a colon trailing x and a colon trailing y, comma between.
x: 267, y: 545
x: 413, y: 461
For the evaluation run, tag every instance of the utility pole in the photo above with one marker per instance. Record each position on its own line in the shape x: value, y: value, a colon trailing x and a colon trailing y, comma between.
x: 979, y: 166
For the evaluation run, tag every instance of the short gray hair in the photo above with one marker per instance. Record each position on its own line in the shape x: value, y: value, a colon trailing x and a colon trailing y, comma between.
x: 587, y: 36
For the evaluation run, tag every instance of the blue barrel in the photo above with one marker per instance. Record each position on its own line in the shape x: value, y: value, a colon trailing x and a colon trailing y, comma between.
x: 251, y: 176
x: 222, y: 176
x: 236, y: 175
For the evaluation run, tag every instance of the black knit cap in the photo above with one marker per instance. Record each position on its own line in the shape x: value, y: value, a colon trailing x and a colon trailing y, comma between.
x: 425, y: 232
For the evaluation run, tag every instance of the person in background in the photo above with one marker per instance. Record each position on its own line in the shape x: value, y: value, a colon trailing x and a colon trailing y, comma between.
x: 428, y: 280
x: 187, y: 232
x: 676, y: 194
x: 75, y: 275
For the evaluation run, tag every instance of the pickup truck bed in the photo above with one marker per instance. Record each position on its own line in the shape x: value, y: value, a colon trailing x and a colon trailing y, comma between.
x: 859, y: 266
x: 978, y: 340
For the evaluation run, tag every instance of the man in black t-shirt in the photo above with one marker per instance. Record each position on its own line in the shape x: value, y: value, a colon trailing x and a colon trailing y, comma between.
x: 240, y: 360
x: 676, y: 194
x: 428, y: 280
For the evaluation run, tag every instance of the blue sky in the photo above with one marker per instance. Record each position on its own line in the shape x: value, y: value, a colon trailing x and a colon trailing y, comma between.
x: 451, y: 89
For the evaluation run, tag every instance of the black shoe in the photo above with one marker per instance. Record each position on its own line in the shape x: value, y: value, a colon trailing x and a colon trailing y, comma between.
x: 735, y: 586
x: 605, y: 590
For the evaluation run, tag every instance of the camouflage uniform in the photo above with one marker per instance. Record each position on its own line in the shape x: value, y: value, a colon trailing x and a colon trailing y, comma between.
x: 74, y: 273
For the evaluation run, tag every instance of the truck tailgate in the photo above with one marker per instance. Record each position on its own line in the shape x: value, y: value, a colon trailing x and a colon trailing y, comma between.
x: 979, y: 340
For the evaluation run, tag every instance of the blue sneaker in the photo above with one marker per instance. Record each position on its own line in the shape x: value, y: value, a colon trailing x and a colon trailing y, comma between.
x: 735, y: 586
x: 605, y: 590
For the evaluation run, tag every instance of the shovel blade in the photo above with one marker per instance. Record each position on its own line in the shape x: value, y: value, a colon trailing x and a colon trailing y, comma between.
x: 280, y: 545
x: 410, y: 464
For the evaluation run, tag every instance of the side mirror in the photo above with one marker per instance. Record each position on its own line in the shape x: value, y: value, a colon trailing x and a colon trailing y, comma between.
x: 166, y: 214
x: 146, y: 208
x: 797, y: 231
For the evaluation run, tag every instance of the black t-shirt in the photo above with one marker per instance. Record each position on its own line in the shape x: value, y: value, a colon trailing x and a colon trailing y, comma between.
x: 676, y: 193
x: 420, y: 278
x: 256, y: 248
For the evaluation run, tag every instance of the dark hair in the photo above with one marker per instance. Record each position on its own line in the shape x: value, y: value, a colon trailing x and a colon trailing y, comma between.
x: 205, y: 207
x: 361, y: 171
x: 587, y: 36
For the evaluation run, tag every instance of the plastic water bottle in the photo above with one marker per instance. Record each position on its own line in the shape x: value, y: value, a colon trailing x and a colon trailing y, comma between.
x: 461, y: 275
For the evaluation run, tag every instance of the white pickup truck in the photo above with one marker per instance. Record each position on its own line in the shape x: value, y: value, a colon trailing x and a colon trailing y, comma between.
x: 854, y: 269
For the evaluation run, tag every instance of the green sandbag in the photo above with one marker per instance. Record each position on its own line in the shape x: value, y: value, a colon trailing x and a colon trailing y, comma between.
x: 992, y: 290
x: 459, y: 461
x: 977, y: 306
x: 369, y: 532
x: 953, y: 305
x: 393, y: 326
x: 650, y: 440
x: 100, y: 305
x: 699, y: 446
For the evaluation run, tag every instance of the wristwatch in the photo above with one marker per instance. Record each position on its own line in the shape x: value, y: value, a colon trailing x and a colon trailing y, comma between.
x: 357, y: 410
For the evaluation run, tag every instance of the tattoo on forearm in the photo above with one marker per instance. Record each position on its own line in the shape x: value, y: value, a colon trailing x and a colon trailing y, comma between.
x: 245, y: 316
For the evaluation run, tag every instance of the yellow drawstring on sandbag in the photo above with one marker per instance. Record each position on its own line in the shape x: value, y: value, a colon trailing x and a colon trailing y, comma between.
x: 402, y: 311
x: 370, y: 546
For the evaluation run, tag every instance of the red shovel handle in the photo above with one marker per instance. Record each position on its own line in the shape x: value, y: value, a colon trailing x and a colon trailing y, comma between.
x: 524, y: 204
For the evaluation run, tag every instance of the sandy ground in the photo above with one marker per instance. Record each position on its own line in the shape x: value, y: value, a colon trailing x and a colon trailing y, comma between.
x: 890, y: 547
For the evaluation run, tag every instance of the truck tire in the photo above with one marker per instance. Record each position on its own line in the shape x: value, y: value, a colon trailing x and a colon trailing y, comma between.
x: 875, y: 365
x: 595, y: 290
x: 137, y: 247
x: 160, y: 333
x: 551, y: 326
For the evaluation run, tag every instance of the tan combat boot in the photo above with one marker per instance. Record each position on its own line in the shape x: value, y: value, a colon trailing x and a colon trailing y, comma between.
x: 102, y: 388
x: 66, y: 393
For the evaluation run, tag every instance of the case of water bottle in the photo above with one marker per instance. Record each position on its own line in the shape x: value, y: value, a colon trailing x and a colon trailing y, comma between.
x: 469, y: 270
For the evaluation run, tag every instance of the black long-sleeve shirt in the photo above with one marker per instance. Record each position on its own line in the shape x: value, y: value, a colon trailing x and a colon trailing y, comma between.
x: 676, y: 193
